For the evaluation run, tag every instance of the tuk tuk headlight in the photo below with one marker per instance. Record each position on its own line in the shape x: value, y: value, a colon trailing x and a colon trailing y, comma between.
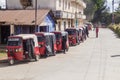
x: 73, y: 38
x: 18, y: 50
x: 58, y: 43
x: 6, y: 50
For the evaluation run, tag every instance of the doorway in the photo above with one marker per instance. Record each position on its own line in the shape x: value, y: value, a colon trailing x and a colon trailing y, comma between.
x: 4, y: 33
x: 43, y: 29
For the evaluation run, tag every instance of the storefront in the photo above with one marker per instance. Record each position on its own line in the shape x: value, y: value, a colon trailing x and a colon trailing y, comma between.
x: 23, y: 22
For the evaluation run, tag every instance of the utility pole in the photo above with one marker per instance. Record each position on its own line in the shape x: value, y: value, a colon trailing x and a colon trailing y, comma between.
x: 35, y: 13
x: 76, y: 20
x: 113, y: 12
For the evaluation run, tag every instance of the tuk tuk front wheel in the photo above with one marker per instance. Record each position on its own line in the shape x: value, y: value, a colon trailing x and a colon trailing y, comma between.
x: 11, y: 61
x: 37, y: 57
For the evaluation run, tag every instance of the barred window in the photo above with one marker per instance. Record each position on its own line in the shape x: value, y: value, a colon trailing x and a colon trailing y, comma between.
x: 26, y: 3
x: 59, y: 3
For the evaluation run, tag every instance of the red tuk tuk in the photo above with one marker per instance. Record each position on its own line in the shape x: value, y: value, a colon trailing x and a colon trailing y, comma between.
x: 73, y: 35
x: 21, y: 47
x: 60, y: 38
x: 46, y: 43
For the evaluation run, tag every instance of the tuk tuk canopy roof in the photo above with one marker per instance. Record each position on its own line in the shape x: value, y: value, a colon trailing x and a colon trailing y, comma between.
x: 47, y: 34
x: 63, y: 33
x: 28, y: 36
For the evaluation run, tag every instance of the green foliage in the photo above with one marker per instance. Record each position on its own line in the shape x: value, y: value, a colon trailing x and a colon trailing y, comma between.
x: 90, y: 9
x: 117, y: 17
x: 100, y: 7
x: 118, y: 9
x: 115, y: 28
x: 94, y: 9
x: 2, y: 53
x: 97, y: 12
x: 106, y: 18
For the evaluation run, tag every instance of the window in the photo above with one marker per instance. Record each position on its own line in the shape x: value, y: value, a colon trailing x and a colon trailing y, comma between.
x: 41, y: 38
x: 59, y: 26
x: 14, y: 42
x: 69, y: 5
x: 68, y: 23
x: 26, y: 3
x: 66, y: 4
x: 64, y: 25
x: 59, y: 3
x: 63, y: 4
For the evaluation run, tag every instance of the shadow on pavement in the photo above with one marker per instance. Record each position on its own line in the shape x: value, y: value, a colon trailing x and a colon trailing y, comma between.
x: 116, y: 35
x: 115, y: 56
x: 17, y: 63
x: 92, y: 37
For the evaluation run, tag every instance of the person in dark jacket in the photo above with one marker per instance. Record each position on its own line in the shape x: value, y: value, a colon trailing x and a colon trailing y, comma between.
x: 97, y: 30
x: 64, y: 43
x: 87, y: 31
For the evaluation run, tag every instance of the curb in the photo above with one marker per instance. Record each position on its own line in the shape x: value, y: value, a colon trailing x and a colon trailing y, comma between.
x: 3, y: 60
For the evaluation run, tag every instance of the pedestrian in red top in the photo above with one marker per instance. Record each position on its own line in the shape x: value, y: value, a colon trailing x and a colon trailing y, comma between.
x: 97, y: 30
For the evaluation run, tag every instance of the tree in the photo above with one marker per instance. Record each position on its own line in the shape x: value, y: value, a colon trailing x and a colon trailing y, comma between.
x: 100, y: 7
x: 90, y: 9
x: 106, y: 17
x: 117, y: 15
x: 94, y: 9
x: 118, y: 9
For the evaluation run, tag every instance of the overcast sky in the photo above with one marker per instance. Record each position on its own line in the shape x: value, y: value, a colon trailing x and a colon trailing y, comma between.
x: 109, y: 3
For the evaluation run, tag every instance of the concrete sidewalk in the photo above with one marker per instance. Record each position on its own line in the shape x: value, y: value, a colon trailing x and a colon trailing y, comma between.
x: 104, y: 59
x: 95, y: 59
x: 3, y: 60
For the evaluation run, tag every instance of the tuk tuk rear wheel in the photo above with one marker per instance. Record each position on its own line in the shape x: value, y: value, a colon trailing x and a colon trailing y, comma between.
x: 54, y: 53
x: 11, y: 61
x: 67, y: 49
x: 37, y: 57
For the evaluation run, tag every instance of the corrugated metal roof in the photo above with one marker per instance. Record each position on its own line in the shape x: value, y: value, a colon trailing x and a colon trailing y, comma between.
x: 22, y: 17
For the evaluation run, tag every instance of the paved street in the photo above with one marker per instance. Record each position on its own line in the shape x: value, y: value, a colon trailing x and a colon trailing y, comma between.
x: 95, y: 59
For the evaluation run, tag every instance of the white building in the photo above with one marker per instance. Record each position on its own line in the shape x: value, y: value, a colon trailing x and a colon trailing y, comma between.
x: 2, y: 4
x: 68, y: 12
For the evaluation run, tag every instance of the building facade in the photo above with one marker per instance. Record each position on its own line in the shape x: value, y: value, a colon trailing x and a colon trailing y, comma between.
x: 69, y: 13
x: 13, y: 22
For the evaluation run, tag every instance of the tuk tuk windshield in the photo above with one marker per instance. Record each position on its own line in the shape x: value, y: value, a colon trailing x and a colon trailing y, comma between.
x: 14, y: 42
x: 41, y: 38
x: 71, y: 32
x: 58, y: 36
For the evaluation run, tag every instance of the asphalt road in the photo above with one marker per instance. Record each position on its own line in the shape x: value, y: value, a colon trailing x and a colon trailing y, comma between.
x: 95, y: 59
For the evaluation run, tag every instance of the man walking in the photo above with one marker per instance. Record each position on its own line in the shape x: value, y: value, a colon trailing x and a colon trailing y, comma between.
x: 97, y: 30
x: 64, y: 44
x: 87, y: 31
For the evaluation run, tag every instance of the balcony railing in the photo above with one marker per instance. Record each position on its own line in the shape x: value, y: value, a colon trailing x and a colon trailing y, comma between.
x: 80, y: 2
x: 80, y: 16
x: 63, y: 14
x: 58, y: 14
